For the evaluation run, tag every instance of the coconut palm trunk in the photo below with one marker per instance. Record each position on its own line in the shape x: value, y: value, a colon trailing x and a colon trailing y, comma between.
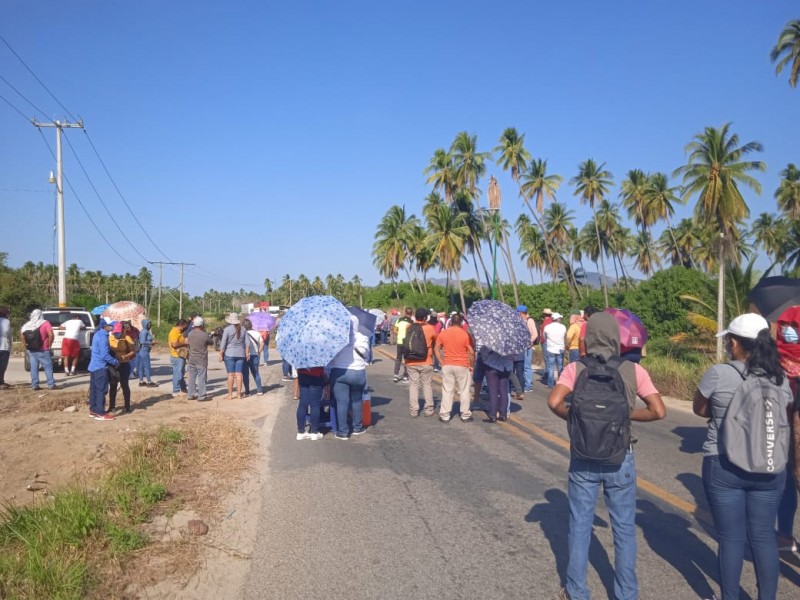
x: 602, y: 258
x: 461, y: 291
x: 478, y: 276
x: 550, y: 248
x: 511, y: 273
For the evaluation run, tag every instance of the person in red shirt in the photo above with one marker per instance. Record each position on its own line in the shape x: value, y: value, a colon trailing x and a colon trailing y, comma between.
x: 420, y: 372
x: 457, y: 357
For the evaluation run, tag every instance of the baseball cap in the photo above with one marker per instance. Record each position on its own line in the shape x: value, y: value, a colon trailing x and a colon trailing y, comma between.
x: 557, y: 316
x: 747, y: 325
x: 198, y: 322
x: 106, y: 323
x: 522, y: 308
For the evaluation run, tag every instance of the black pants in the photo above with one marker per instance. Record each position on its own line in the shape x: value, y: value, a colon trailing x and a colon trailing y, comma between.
x: 398, y: 362
x: 4, y: 356
x: 124, y: 383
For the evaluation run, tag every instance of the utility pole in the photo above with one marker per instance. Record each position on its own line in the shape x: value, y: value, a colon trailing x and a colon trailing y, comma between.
x: 62, y: 245
x: 161, y: 264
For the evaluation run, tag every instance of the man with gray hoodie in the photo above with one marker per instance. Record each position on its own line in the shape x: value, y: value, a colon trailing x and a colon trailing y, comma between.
x: 586, y: 477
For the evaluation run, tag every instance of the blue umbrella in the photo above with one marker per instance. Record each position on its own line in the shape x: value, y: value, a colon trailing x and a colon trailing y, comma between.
x: 262, y: 321
x: 498, y: 327
x: 313, y: 331
x: 98, y: 310
x: 366, y: 320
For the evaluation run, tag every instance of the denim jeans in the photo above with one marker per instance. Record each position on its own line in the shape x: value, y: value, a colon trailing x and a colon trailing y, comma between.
x: 234, y: 364
x: 311, y: 389
x: 744, y: 507
x: 41, y: 358
x: 178, y: 369
x: 348, y: 386
x: 788, y: 506
x: 398, y: 362
x: 574, y: 356
x: 197, y: 380
x: 528, y: 369
x: 145, y: 366
x: 553, y: 361
x: 518, y: 376
x: 286, y: 368
x: 266, y: 353
x: 98, y: 385
x: 619, y: 491
x: 498, y: 391
x: 251, y: 366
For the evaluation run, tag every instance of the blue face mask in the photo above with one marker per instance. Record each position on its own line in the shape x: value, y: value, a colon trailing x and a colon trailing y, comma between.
x: 789, y: 334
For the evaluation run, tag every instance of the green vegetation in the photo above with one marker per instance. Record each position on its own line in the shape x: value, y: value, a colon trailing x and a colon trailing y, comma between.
x: 60, y: 547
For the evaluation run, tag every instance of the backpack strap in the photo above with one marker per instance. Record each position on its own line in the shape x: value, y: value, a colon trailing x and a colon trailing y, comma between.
x: 741, y: 373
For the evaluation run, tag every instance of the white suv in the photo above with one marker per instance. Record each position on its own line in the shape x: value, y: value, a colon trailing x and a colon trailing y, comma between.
x: 57, y: 317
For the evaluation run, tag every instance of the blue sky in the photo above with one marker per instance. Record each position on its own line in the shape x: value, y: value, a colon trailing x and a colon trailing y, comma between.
x: 261, y: 138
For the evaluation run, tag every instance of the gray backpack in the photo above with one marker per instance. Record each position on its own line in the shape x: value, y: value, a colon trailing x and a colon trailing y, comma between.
x: 755, y: 433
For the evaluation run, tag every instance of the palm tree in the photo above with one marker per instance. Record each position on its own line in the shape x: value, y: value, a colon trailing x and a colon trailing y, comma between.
x: 788, y: 192
x: 714, y: 172
x: 633, y: 194
x: 469, y: 165
x: 390, y: 250
x: 476, y: 223
x: 660, y: 199
x: 441, y: 173
x: 787, y: 51
x: 532, y: 247
x: 614, y: 237
x: 644, y: 253
x: 771, y: 233
x: 591, y: 185
x: 447, y: 240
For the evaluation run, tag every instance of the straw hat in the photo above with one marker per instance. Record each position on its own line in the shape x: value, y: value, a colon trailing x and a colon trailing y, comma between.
x: 233, y: 319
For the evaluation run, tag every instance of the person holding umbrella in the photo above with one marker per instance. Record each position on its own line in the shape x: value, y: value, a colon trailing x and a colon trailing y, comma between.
x: 498, y: 371
x: 347, y: 373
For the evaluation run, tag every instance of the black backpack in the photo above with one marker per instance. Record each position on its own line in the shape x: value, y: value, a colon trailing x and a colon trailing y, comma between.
x: 599, y: 418
x: 33, y: 340
x: 416, y: 347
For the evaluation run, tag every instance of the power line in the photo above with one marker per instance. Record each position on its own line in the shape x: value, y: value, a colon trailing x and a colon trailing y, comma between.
x: 99, y: 197
x: 52, y: 95
x: 22, y: 114
x: 86, y: 212
x: 114, y: 183
x: 24, y: 97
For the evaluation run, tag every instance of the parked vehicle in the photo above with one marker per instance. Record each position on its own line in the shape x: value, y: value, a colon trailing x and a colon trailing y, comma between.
x: 57, y: 317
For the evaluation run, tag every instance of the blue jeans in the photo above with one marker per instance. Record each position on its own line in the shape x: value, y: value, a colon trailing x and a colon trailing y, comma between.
x: 266, y: 353
x: 619, y: 491
x: 178, y: 367
x: 528, y: 369
x: 553, y: 361
x: 310, y: 398
x: 234, y: 364
x: 144, y: 364
x: 348, y: 386
x: 744, y: 506
x: 251, y: 366
x: 788, y: 505
x: 98, y: 385
x: 41, y: 358
x: 286, y: 368
x: 574, y: 356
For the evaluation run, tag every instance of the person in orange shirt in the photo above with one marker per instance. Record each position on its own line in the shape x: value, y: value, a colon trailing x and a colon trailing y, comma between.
x: 420, y: 371
x: 457, y: 357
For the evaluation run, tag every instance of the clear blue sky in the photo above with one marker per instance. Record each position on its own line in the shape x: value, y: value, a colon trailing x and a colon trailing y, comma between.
x: 262, y: 138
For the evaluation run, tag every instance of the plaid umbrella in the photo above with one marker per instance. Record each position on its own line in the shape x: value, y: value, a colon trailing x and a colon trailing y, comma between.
x: 773, y: 295
x: 366, y: 320
x: 313, y: 331
x: 262, y: 321
x: 498, y: 327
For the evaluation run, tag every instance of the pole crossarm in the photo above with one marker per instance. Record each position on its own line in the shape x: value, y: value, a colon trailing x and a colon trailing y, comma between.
x: 161, y: 264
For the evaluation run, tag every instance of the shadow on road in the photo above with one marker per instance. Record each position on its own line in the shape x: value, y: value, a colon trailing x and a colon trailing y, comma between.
x: 692, y: 438
x: 553, y: 519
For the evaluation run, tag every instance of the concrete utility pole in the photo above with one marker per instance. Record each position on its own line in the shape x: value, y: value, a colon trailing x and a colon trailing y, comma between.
x: 62, y: 251
x: 160, y: 264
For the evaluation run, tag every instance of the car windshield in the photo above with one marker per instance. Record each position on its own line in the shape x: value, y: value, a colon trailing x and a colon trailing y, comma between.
x: 57, y: 319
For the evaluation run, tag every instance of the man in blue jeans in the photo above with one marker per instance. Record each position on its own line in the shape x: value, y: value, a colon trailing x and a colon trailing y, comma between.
x: 585, y: 478
x: 98, y: 372
x: 39, y: 353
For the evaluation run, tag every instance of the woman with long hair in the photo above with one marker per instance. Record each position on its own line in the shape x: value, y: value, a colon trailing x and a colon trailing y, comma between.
x: 234, y: 351
x: 744, y: 505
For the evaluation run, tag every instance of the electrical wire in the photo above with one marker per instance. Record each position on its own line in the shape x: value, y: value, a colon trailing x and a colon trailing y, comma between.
x: 99, y: 197
x: 22, y: 114
x: 86, y: 212
x: 24, y: 97
x: 24, y: 64
x: 116, y: 187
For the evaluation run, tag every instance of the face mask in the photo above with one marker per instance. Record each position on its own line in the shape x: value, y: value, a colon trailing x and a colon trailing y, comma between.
x: 789, y: 334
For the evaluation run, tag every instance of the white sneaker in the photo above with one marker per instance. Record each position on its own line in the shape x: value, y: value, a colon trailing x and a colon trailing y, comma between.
x: 303, y: 436
x: 314, y: 436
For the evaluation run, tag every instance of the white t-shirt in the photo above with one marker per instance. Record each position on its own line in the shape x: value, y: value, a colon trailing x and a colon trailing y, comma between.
x: 555, y: 333
x: 72, y: 329
x: 5, y: 334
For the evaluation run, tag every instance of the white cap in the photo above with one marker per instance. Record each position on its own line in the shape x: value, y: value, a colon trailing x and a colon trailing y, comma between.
x: 198, y: 322
x: 555, y: 316
x: 747, y: 325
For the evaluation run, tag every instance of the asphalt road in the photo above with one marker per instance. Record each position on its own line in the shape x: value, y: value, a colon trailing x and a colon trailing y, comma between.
x: 420, y: 509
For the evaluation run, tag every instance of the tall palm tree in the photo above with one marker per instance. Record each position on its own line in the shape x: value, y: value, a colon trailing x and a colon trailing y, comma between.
x: 771, y: 233
x: 614, y: 237
x: 788, y: 192
x: 476, y: 223
x: 390, y: 250
x: 447, y: 239
x: 644, y: 253
x: 532, y: 247
x: 591, y: 185
x: 441, y: 173
x: 469, y: 165
x: 632, y: 193
x: 661, y: 200
x: 714, y: 172
x: 787, y: 51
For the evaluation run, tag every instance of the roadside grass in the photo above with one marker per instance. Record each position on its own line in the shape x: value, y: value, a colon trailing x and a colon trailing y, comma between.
x: 673, y: 377
x: 61, y: 547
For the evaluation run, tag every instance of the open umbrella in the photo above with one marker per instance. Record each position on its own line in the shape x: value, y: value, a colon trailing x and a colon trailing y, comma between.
x: 126, y: 311
x: 98, y: 310
x: 632, y: 332
x: 380, y: 316
x: 313, y: 331
x: 366, y: 320
x: 773, y: 295
x: 498, y: 327
x: 262, y: 321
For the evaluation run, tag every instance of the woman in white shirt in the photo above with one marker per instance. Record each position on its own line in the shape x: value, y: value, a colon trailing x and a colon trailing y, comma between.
x: 348, y: 378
